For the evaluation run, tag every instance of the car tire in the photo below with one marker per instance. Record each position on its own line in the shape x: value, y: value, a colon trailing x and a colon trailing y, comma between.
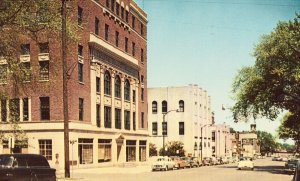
x: 252, y: 169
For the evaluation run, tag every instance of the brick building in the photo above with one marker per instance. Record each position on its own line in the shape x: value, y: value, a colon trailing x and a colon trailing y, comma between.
x: 107, y: 89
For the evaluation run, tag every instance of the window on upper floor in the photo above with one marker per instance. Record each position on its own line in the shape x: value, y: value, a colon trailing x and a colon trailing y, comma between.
x: 44, y: 70
x: 113, y: 5
x: 142, y: 55
x: 25, y: 49
x: 127, y: 90
x: 133, y: 22
x: 134, y: 121
x: 107, y: 3
x: 80, y: 50
x: 181, y: 106
x: 107, y: 117
x: 14, y: 110
x: 117, y: 118
x: 164, y: 107
x: 118, y: 9
x: 106, y: 32
x: 80, y: 16
x: 133, y: 49
x: 154, y: 128
x: 3, y: 110
x: 97, y: 26
x: 127, y: 120
x: 213, y: 136
x: 107, y: 83
x: 142, y: 120
x: 122, y: 12
x: 142, y: 79
x: 3, y: 73
x: 164, y: 128
x: 142, y: 29
x: 44, y: 47
x: 117, y: 38
x: 126, y: 44
x: 25, y: 109
x: 98, y: 115
x: 154, y: 107
x: 81, y: 111
x: 133, y: 96
x: 80, y: 72
x: 45, y: 108
x: 117, y: 86
x: 142, y: 94
x: 98, y: 83
x: 181, y: 128
x: 126, y: 16
x: 26, y: 71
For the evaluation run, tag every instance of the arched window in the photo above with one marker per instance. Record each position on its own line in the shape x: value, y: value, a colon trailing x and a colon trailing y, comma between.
x: 181, y: 106
x: 154, y: 107
x: 107, y: 82
x: 127, y: 90
x: 164, y: 106
x: 117, y: 87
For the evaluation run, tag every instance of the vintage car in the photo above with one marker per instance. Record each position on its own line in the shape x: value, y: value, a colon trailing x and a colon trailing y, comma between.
x: 179, y: 163
x: 245, y: 163
x: 191, y: 161
x: 297, y: 172
x: 25, y: 167
x: 163, y: 163
x: 206, y: 161
x: 291, y: 164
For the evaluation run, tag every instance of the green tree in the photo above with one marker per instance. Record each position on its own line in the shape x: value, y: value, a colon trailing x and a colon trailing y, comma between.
x: 272, y: 85
x: 152, y: 149
x: 266, y: 141
x: 173, y: 148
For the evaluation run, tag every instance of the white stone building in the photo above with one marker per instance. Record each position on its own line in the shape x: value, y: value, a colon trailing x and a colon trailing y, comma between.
x: 195, y: 114
x: 221, y: 140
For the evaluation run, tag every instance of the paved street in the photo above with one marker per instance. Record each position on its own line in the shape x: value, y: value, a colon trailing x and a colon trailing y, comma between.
x: 265, y: 170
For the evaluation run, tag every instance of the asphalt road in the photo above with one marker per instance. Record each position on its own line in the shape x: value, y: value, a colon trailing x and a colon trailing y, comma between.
x: 265, y: 170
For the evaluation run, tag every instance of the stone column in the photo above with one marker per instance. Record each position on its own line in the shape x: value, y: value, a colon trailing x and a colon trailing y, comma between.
x: 131, y: 104
x: 137, y: 96
x: 122, y: 102
x: 137, y: 155
x: 113, y: 74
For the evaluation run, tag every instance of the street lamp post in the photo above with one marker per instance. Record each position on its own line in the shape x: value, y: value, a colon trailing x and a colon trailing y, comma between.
x: 163, y: 134
x: 202, y: 138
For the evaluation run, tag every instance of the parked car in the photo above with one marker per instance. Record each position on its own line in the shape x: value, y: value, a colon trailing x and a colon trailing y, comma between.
x: 291, y: 164
x: 206, y: 161
x: 192, y: 161
x: 179, y: 163
x: 245, y: 162
x: 197, y: 160
x: 214, y: 161
x: 163, y: 163
x: 277, y: 158
x: 224, y: 160
x: 297, y: 172
x: 230, y: 159
x: 25, y: 167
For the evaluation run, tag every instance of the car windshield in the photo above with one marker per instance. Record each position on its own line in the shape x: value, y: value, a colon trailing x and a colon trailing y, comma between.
x: 6, y: 161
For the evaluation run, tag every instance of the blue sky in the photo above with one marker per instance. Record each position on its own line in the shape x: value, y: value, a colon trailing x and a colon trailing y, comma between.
x: 206, y: 42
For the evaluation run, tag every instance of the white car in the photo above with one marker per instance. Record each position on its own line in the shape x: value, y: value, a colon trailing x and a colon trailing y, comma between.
x: 163, y: 163
x: 245, y: 162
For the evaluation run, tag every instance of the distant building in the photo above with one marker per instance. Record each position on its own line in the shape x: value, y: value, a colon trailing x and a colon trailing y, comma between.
x: 221, y: 144
x: 195, y: 115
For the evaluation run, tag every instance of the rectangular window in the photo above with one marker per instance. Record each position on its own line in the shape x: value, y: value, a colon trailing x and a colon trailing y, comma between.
x: 3, y: 110
x: 44, y: 47
x: 25, y: 49
x: 143, y: 151
x: 46, y: 148
x: 106, y: 32
x: 26, y: 72
x: 3, y: 74
x: 112, y: 5
x: 154, y: 128
x: 80, y: 72
x: 142, y: 94
x: 80, y: 50
x: 118, y: 118
x: 142, y: 120
x: 142, y: 55
x: 44, y: 70
x: 142, y: 29
x: 98, y: 115
x: 14, y: 110
x: 134, y: 121
x: 81, y: 109
x: 117, y: 38
x: 126, y: 16
x: 80, y: 16
x: 96, y: 26
x: 213, y: 136
x: 122, y: 12
x: 85, y: 151
x: 130, y: 151
x: 126, y: 44
x: 181, y: 128
x: 98, y: 84
x: 45, y: 108
x: 133, y: 22
x: 133, y: 96
x: 117, y: 8
x: 164, y: 128
x: 104, y: 150
x: 133, y: 49
x: 142, y: 78
x: 107, y: 3
x: 25, y: 109
x: 127, y: 119
x: 107, y: 117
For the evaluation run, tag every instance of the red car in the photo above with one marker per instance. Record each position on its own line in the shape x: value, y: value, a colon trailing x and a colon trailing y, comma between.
x: 179, y: 163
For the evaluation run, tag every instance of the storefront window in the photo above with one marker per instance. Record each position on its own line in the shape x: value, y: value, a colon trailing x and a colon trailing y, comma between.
x: 142, y: 151
x: 85, y: 151
x: 130, y: 151
x: 104, y: 150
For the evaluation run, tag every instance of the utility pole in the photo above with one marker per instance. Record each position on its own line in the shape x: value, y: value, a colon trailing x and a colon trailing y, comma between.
x: 65, y: 87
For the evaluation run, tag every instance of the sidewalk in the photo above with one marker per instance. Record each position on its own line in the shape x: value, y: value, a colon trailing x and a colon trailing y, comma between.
x: 89, y: 173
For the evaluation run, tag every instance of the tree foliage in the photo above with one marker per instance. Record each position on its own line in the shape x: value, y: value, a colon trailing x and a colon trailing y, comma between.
x: 266, y: 141
x: 152, y: 149
x: 272, y: 84
x: 173, y: 148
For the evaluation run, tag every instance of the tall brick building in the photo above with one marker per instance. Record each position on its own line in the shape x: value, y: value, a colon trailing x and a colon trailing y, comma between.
x: 107, y: 89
